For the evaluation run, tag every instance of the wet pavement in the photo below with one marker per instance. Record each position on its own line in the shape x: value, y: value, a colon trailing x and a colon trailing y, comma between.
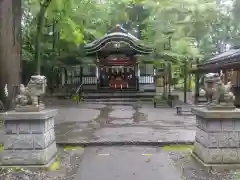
x: 144, y: 162
x: 135, y: 123
x: 126, y: 163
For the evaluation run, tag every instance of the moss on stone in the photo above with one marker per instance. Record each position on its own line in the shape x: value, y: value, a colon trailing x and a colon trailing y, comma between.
x: 72, y: 148
x: 177, y: 148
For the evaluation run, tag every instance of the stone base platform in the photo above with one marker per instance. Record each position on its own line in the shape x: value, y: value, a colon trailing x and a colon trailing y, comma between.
x: 29, y: 138
x: 209, y: 167
x: 217, y: 155
x: 217, y: 137
x: 29, y: 157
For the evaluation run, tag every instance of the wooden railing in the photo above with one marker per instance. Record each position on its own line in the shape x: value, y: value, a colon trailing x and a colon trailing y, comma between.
x: 89, y: 80
x: 146, y: 79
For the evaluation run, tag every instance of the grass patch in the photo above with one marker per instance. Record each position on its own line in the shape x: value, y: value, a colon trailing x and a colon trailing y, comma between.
x: 72, y: 148
x: 178, y: 148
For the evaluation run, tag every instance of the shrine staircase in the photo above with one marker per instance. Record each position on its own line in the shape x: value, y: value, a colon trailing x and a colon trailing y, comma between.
x: 117, y: 96
x: 107, y: 95
x: 110, y: 95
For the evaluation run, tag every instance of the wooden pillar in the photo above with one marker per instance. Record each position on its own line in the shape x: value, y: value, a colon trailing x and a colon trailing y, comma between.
x: 185, y: 80
x: 225, y: 76
x: 138, y: 76
x: 165, y: 81
x: 197, y: 85
x: 169, y: 78
x: 10, y: 36
x: 190, y: 79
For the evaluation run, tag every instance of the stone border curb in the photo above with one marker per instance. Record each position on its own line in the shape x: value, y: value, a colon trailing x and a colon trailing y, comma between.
x: 122, y: 143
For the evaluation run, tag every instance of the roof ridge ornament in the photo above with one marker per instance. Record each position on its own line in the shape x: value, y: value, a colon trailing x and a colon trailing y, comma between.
x: 116, y: 29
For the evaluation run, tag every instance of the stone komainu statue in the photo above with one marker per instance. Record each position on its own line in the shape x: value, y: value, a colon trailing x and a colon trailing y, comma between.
x: 216, y: 91
x: 28, y: 96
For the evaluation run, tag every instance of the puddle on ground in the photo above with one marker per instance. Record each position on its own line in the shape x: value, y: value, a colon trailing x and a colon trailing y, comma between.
x: 103, y: 116
x: 139, y: 116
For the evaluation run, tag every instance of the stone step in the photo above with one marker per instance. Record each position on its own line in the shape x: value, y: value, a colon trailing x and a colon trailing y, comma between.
x: 118, y: 95
x: 118, y: 99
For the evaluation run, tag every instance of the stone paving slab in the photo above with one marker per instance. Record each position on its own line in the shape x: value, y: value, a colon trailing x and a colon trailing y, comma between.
x: 126, y: 163
x: 76, y: 115
x: 127, y: 135
x: 100, y: 123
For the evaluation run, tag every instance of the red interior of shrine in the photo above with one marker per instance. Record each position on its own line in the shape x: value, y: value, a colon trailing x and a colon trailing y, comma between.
x: 117, y: 72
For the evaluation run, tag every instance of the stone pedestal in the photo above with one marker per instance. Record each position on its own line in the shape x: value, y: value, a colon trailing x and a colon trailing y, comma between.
x: 218, y: 136
x: 29, y: 138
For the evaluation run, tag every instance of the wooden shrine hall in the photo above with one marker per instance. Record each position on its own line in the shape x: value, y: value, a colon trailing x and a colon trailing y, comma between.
x: 115, y: 58
x: 227, y: 62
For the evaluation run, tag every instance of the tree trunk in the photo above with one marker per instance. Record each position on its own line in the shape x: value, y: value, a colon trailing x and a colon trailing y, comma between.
x: 10, y: 30
x: 40, y: 24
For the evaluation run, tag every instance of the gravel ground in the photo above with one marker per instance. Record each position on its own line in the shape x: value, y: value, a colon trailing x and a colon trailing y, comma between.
x: 192, y: 170
x: 69, y: 160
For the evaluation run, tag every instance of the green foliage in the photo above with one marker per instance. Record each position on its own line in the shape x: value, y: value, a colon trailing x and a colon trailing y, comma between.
x: 195, y: 28
x: 187, y: 22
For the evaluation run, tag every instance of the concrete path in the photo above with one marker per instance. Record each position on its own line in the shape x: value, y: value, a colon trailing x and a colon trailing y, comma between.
x: 144, y: 162
x: 130, y: 124
x: 126, y: 163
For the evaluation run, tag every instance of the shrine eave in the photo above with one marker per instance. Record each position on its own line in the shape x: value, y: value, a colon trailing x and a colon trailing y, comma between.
x: 117, y: 37
x: 226, y: 60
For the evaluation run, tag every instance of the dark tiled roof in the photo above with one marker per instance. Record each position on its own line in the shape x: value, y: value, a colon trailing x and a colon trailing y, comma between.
x: 232, y: 53
x: 118, y: 34
x: 114, y: 34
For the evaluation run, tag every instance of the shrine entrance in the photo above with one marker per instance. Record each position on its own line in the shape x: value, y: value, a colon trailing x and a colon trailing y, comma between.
x: 117, y: 72
x: 117, y: 77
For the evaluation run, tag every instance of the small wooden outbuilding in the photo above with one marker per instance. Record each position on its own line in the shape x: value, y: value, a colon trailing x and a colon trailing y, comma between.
x: 227, y: 63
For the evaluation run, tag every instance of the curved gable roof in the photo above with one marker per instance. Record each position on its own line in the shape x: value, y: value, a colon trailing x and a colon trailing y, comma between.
x: 118, y: 34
